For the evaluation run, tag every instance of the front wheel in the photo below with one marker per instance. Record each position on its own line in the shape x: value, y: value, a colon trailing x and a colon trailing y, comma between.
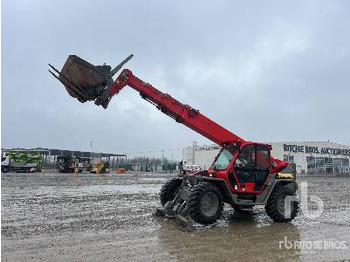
x: 169, y: 190
x: 282, y: 206
x: 205, y: 203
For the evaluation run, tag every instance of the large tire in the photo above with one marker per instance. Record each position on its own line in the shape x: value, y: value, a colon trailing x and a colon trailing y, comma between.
x: 205, y: 203
x: 275, y: 207
x: 169, y: 190
x: 5, y: 169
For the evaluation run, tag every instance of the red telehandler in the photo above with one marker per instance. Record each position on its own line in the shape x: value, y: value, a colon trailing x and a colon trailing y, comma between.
x: 243, y: 174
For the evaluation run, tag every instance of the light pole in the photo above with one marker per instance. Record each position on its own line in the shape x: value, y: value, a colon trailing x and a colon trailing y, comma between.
x: 91, y: 143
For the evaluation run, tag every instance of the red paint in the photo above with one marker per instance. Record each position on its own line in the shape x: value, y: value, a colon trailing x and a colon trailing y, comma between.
x: 193, y: 119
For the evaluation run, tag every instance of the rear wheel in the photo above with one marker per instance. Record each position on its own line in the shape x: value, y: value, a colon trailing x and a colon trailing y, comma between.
x: 279, y: 208
x: 169, y: 190
x: 205, y: 203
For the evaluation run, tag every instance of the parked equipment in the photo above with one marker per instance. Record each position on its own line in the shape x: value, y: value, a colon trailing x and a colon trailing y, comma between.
x: 21, y: 162
x: 191, y: 169
x: 120, y: 171
x: 101, y: 167
x: 5, y: 164
x: 243, y: 174
x: 72, y: 164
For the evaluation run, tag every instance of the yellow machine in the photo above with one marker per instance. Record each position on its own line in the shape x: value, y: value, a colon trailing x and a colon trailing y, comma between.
x: 101, y: 167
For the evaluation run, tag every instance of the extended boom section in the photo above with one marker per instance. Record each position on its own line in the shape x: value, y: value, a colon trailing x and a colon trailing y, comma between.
x: 182, y: 113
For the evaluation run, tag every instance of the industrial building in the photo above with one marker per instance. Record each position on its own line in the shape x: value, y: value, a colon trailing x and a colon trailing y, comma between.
x: 309, y: 157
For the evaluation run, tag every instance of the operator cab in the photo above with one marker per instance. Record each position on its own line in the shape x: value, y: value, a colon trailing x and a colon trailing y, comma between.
x: 246, y: 167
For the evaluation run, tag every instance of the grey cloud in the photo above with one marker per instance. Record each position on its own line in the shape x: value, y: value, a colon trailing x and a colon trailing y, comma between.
x: 268, y: 71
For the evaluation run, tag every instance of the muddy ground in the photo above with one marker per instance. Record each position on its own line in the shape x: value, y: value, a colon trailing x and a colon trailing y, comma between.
x: 89, y: 217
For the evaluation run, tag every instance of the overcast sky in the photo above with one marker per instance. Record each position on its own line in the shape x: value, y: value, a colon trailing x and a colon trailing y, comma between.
x: 265, y: 70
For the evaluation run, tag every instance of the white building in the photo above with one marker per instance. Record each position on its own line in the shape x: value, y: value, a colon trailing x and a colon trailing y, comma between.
x: 309, y: 157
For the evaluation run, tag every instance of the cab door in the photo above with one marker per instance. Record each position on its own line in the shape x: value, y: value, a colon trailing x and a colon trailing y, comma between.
x: 252, y: 166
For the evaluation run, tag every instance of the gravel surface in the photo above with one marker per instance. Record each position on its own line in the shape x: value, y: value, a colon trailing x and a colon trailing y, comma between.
x: 89, y: 217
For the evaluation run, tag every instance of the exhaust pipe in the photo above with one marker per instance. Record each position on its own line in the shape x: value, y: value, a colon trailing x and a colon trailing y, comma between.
x: 85, y: 81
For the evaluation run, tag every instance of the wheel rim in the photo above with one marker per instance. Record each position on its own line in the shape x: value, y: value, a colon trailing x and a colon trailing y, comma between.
x: 209, y: 204
x: 281, y: 205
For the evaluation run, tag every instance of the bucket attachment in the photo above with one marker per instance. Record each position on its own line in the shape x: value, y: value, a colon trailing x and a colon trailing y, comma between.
x: 85, y: 81
x: 178, y: 207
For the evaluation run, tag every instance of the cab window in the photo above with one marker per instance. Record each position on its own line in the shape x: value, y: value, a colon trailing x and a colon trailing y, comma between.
x: 246, y: 158
x: 252, y: 165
